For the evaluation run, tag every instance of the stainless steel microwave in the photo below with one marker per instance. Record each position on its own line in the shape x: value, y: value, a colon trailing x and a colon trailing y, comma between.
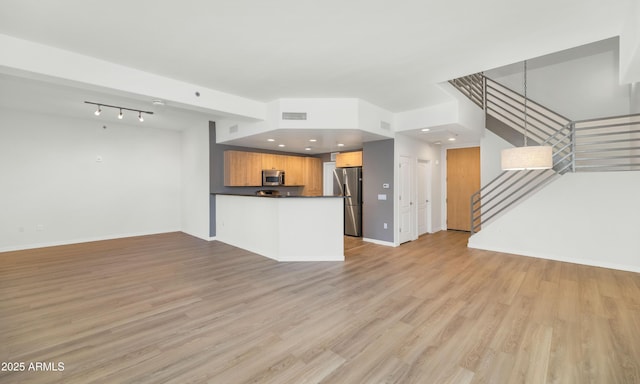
x: 271, y: 177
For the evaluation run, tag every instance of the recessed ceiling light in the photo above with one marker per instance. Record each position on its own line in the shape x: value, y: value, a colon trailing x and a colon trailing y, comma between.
x: 452, y: 139
x: 437, y: 143
x: 313, y: 140
x: 307, y: 148
x: 281, y: 145
x: 425, y: 129
x: 340, y: 145
x: 271, y: 139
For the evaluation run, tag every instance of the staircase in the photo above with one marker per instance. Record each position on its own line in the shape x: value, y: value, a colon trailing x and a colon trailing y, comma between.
x: 604, y: 144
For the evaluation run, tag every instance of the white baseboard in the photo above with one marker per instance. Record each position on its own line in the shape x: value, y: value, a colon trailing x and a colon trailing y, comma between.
x: 83, y: 240
x: 379, y: 242
x: 573, y: 260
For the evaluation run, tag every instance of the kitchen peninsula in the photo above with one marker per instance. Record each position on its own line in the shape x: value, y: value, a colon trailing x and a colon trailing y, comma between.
x: 291, y: 228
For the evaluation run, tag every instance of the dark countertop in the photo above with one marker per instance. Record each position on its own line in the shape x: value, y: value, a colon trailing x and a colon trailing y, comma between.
x: 279, y: 196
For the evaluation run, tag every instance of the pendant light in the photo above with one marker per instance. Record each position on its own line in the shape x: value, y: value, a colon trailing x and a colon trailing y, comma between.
x: 527, y: 157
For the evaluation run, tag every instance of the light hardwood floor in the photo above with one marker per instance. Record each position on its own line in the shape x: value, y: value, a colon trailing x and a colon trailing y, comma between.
x: 172, y: 308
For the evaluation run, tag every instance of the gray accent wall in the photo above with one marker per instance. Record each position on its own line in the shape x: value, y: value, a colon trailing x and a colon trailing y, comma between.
x: 377, y: 169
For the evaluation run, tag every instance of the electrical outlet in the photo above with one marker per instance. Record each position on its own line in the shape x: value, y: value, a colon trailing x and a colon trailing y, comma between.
x: 385, y: 225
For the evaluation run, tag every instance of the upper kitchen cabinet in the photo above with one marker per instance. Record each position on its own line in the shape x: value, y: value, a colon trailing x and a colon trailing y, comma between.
x: 242, y: 169
x: 272, y: 161
x: 312, y: 178
x: 294, y: 170
x: 349, y: 159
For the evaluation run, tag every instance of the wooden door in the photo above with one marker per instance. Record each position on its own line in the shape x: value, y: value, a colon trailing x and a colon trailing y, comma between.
x: 463, y: 179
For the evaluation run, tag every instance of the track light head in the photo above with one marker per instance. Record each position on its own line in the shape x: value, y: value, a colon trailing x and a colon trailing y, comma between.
x: 98, y: 111
x: 120, y: 116
x: 140, y: 116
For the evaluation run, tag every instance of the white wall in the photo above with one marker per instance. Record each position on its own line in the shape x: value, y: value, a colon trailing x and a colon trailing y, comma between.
x: 195, y: 180
x: 337, y: 113
x: 585, y: 218
x: 583, y: 87
x: 418, y: 150
x: 54, y: 192
x: 491, y: 146
x: 630, y: 46
x: 370, y: 118
x: 432, y: 116
x: 634, y: 98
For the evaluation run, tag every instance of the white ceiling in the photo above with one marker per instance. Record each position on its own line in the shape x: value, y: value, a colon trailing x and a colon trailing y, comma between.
x: 390, y: 54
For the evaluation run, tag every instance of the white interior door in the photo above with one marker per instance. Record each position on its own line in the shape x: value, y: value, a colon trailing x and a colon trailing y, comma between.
x: 406, y: 205
x: 327, y: 173
x: 424, y: 197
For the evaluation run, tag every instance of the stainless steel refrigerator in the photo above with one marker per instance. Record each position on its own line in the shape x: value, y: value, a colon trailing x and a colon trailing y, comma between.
x: 348, y: 182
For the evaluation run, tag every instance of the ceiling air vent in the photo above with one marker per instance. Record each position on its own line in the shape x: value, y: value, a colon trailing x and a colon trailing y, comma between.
x: 385, y: 125
x: 294, y: 115
x: 233, y: 128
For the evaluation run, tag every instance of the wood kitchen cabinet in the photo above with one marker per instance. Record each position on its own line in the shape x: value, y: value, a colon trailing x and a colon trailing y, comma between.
x: 294, y: 170
x: 242, y: 169
x: 312, y: 179
x: 272, y: 161
x: 349, y: 159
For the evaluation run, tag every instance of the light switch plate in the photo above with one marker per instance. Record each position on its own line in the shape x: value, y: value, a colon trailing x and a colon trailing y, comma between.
x: 382, y: 196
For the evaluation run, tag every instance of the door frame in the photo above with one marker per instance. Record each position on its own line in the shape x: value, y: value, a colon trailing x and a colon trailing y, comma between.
x: 429, y: 195
x: 327, y: 181
x: 411, y: 234
x: 445, y: 184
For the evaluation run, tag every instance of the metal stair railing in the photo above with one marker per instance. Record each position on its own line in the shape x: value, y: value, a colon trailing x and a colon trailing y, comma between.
x: 544, y: 127
x: 608, y: 144
x: 602, y: 144
x: 471, y: 86
x: 509, y: 187
x: 507, y: 106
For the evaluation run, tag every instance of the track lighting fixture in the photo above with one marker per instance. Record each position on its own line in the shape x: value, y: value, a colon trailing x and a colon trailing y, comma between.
x: 121, y: 109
